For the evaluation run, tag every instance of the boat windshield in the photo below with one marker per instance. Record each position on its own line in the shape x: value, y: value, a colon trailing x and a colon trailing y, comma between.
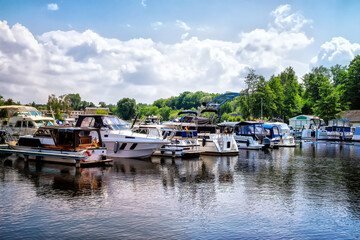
x: 251, y: 130
x: 115, y: 123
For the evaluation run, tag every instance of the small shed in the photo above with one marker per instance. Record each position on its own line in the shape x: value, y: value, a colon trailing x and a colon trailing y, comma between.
x: 353, y: 116
x: 300, y: 121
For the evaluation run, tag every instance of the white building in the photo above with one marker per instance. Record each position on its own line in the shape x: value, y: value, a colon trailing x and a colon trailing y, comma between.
x: 300, y: 121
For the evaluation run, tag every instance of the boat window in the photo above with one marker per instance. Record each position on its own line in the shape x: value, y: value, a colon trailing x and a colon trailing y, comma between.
x: 259, y: 130
x: 30, y: 124
x: 268, y: 132
x: 35, y: 113
x: 346, y: 124
x: 115, y: 123
x: 40, y: 123
x: 18, y: 124
x: 65, y: 137
x: 43, y: 133
x: 88, y: 122
x: 276, y: 131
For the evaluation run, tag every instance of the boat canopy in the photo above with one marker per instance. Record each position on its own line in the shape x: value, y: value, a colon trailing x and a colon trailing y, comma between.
x: 19, y: 110
x: 99, y: 121
x: 187, y: 112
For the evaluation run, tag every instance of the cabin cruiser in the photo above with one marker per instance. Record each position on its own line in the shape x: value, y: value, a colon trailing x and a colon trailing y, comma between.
x: 212, y: 141
x: 23, y: 120
x: 182, y: 143
x: 273, y: 133
x: 119, y: 139
x: 248, y: 134
x: 337, y: 130
x: 356, y: 136
x: 308, y: 132
x: 286, y: 139
x: 62, y: 144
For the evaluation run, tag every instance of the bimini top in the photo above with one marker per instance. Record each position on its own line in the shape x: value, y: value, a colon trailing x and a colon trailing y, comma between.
x: 232, y: 124
x: 188, y: 112
x: 13, y: 110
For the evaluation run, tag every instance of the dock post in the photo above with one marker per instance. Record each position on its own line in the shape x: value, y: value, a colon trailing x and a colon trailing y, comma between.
x: 173, y: 154
x: 26, y: 158
x: 77, y: 164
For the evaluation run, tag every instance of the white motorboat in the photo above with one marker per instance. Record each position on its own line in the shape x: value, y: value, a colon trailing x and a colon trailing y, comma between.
x: 119, y: 139
x: 356, y: 136
x: 61, y: 144
x: 285, y: 137
x: 248, y: 134
x: 212, y: 141
x: 24, y: 120
x: 337, y: 130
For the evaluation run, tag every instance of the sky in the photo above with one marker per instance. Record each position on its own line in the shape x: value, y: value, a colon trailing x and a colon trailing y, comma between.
x: 151, y: 49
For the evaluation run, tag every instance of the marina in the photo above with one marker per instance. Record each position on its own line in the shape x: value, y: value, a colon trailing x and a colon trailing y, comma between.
x: 307, y: 192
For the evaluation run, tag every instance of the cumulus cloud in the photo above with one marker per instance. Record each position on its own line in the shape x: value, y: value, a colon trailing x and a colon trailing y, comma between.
x: 336, y: 51
x: 52, y: 7
x: 103, y: 69
x: 270, y: 49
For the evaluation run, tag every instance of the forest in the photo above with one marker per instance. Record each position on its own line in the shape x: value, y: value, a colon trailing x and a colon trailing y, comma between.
x: 324, y: 92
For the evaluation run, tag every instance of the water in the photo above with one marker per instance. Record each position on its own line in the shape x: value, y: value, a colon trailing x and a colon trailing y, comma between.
x: 308, y: 192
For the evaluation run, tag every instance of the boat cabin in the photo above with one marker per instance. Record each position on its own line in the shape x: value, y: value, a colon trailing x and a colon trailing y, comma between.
x: 62, y: 137
x: 102, y: 121
x: 245, y: 128
x: 272, y: 131
x: 339, y: 125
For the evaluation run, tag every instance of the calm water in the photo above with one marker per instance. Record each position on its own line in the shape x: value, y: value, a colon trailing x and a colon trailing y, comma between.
x: 308, y: 192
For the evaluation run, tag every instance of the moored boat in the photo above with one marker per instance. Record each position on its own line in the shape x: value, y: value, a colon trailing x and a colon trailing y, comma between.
x: 23, y: 120
x: 68, y: 145
x: 119, y: 139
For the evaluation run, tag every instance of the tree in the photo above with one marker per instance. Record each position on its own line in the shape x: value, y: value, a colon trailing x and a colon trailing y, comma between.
x: 58, y: 105
x: 75, y: 101
x: 126, y: 108
x: 278, y: 91
x: 292, y: 99
x: 101, y: 112
x: 328, y: 106
x: 353, y: 88
x: 102, y: 104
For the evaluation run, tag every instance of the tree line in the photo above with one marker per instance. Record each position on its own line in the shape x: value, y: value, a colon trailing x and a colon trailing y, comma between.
x: 325, y: 92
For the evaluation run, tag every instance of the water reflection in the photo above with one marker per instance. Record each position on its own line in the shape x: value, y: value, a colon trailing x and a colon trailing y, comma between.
x: 312, y: 191
x: 51, y: 180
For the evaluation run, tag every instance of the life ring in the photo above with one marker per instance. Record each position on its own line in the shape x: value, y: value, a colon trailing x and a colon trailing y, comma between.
x: 116, y: 147
x: 88, y: 153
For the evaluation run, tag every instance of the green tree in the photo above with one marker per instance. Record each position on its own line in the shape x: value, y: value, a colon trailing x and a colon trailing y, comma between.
x: 75, y: 101
x: 126, y: 108
x: 353, y: 88
x: 292, y: 98
x: 279, y: 96
x: 328, y: 106
x: 100, y: 112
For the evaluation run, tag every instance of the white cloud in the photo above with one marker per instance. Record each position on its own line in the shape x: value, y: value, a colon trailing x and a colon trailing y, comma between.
x: 52, y: 7
x: 286, y: 21
x: 337, y: 51
x: 103, y: 69
x: 143, y: 3
x: 184, y: 36
x: 182, y: 25
x: 156, y: 25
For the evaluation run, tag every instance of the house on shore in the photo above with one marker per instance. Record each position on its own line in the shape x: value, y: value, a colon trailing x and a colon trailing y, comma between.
x: 353, y: 116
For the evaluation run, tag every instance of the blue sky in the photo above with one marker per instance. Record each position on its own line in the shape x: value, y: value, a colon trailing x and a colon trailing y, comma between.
x: 144, y: 49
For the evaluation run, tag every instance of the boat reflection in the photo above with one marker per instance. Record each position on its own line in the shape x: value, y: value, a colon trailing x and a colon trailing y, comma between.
x: 51, y: 179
